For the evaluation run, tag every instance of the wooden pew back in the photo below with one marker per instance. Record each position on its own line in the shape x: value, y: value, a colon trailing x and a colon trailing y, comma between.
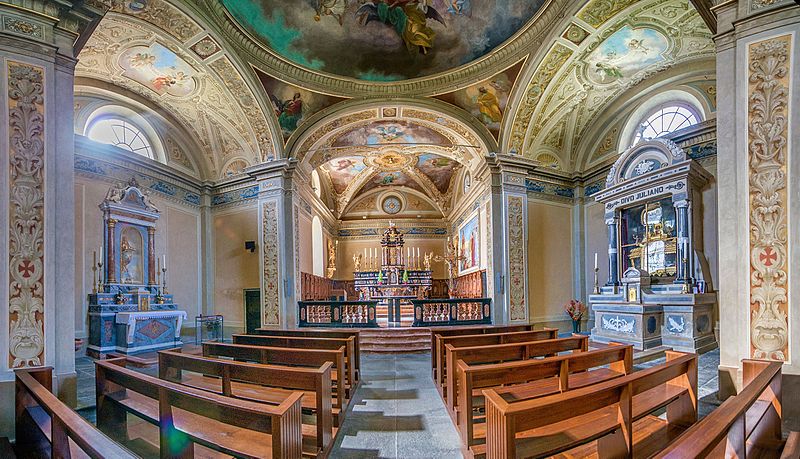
x: 281, y: 422
x: 437, y: 332
x: 502, y: 353
x: 68, y: 434
x: 319, y: 333
x: 485, y: 339
x: 612, y: 402
x: 747, y: 421
x: 475, y: 377
x: 286, y: 356
x: 172, y: 363
x: 306, y: 342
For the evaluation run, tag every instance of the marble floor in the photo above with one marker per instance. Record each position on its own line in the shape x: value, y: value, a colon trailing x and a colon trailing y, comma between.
x: 397, y: 412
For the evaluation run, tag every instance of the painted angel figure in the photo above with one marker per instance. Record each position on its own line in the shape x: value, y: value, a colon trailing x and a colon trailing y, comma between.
x: 408, y: 18
x: 289, y: 111
x: 335, y: 8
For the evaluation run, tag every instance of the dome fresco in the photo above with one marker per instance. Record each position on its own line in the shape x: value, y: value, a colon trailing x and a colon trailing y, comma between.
x: 382, y: 40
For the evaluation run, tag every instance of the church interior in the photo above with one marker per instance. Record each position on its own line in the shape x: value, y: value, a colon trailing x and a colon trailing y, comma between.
x: 499, y: 228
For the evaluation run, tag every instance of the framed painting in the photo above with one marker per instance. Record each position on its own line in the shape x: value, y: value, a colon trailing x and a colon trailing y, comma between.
x: 469, y: 245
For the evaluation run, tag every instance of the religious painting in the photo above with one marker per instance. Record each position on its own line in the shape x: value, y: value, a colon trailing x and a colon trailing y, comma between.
x: 159, y: 69
x: 469, y: 245
x: 382, y: 40
x: 395, y: 178
x: 487, y: 99
x: 438, y: 169
x: 292, y: 104
x: 343, y: 171
x: 391, y: 132
x: 131, y: 256
x: 625, y: 53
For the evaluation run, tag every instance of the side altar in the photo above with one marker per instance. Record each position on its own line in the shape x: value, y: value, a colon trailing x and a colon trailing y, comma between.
x: 130, y: 310
x: 658, y: 290
x: 393, y: 277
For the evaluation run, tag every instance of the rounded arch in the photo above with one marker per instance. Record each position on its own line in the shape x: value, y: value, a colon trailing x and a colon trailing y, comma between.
x: 125, y: 114
x: 670, y: 97
x: 317, y: 247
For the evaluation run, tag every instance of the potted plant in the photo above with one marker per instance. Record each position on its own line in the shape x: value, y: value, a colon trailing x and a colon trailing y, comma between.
x: 575, y: 309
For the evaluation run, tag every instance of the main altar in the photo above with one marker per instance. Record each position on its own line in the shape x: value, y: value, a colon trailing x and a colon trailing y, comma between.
x: 658, y: 291
x: 392, y: 275
x: 130, y: 310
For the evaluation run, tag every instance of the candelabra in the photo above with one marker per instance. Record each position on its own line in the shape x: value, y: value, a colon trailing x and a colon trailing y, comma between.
x: 596, y: 285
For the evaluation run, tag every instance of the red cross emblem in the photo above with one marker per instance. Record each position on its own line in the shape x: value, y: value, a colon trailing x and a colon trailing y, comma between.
x: 768, y: 257
x: 26, y: 268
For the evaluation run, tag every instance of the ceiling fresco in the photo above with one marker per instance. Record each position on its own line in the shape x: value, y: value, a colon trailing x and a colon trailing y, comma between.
x: 382, y: 40
x: 487, y: 99
x: 159, y: 69
x: 343, y: 171
x: 391, y: 132
x: 291, y: 104
x: 438, y: 169
x: 391, y: 179
x: 625, y: 53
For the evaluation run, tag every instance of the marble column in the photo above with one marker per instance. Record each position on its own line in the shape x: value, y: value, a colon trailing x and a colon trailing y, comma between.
x: 758, y: 94
x: 278, y: 241
x: 111, y: 243
x: 38, y: 44
x: 151, y: 255
x: 684, y: 256
x: 612, y: 224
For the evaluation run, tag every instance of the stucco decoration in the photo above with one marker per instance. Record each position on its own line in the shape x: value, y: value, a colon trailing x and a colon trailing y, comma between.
x: 26, y: 123
x: 631, y: 42
x: 211, y: 100
x: 518, y: 310
x: 270, y: 251
x: 768, y: 153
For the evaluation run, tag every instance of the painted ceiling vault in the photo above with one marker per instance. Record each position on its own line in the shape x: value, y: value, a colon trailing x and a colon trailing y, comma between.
x: 382, y: 40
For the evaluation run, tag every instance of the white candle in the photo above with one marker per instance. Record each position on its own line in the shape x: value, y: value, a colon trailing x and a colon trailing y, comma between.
x: 595, y: 260
x: 164, y: 260
x: 418, y: 253
x: 365, y: 254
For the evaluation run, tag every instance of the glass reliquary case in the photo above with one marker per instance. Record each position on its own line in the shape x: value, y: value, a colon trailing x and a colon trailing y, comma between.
x: 648, y: 239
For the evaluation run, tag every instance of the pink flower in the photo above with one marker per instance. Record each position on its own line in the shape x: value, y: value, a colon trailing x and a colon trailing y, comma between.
x: 575, y: 309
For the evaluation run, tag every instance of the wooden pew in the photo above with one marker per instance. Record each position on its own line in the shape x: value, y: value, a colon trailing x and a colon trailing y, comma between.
x: 612, y: 418
x: 485, y: 339
x: 260, y: 383
x: 185, y: 415
x: 288, y: 356
x: 468, y: 330
x: 527, y: 379
x: 307, y: 342
x: 745, y: 425
x: 46, y: 427
x: 320, y: 333
x: 503, y: 353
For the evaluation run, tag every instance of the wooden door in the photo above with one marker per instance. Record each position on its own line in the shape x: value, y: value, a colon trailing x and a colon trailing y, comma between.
x: 252, y: 310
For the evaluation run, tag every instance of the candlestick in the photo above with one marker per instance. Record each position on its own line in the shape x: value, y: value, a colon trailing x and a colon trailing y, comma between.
x: 164, y: 279
x: 100, y: 275
x: 94, y: 272
x: 596, y: 285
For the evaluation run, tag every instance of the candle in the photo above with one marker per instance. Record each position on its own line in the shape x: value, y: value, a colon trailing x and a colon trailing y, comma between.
x: 101, y: 252
x: 595, y: 260
x: 164, y: 261
x: 94, y: 259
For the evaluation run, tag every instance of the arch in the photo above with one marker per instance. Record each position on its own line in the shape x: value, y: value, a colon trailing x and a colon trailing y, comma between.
x: 126, y: 115
x: 671, y: 97
x: 315, y: 183
x: 317, y: 248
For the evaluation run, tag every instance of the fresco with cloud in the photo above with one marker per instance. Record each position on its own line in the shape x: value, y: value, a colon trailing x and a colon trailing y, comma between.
x: 386, y: 132
x: 438, y: 169
x: 625, y: 53
x: 382, y: 40
x: 159, y: 69
x: 342, y: 171
x: 394, y: 179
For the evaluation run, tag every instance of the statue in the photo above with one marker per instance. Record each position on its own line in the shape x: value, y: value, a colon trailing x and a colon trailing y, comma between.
x: 427, y: 261
x: 332, y: 258
x: 357, y: 262
x: 127, y: 251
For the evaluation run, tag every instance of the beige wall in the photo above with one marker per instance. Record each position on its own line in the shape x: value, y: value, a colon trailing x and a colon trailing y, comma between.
x: 596, y: 240
x: 177, y: 236
x: 304, y: 236
x: 349, y: 247
x: 550, y: 261
x: 235, y: 269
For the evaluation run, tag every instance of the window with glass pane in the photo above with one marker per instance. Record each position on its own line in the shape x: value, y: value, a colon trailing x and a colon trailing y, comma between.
x: 647, y: 233
x: 664, y: 121
x: 121, y: 133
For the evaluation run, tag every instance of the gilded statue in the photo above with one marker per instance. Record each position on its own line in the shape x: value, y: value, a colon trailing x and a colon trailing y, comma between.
x: 332, y: 257
x: 357, y: 262
x: 427, y: 261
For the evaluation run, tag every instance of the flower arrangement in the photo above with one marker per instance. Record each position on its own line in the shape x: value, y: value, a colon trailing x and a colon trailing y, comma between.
x: 575, y: 309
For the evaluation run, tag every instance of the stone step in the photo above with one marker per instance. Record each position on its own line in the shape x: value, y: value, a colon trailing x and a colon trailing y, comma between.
x: 391, y: 340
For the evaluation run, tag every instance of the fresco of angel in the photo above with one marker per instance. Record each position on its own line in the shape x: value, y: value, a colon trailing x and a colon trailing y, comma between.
x: 409, y: 19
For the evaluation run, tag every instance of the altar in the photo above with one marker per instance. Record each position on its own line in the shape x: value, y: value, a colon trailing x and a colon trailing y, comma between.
x: 394, y: 276
x: 130, y: 309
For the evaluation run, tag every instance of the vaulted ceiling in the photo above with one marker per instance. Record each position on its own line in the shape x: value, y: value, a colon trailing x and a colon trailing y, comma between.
x: 405, y: 95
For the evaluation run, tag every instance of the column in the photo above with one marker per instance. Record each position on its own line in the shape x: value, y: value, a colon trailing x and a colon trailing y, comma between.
x: 151, y: 255
x: 111, y: 243
x: 684, y: 253
x: 38, y: 45
x: 758, y: 79
x: 613, y: 251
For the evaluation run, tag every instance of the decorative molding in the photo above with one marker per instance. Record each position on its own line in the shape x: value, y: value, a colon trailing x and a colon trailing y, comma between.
x: 249, y: 193
x: 24, y: 27
x: 26, y: 219
x: 517, y: 279
x: 768, y: 153
x: 271, y: 281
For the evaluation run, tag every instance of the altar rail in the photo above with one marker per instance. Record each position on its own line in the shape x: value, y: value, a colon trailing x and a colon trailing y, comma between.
x: 337, y: 313
x: 455, y: 311
x: 470, y: 285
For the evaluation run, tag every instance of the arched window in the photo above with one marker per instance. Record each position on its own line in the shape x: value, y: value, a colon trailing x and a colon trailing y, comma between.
x: 315, y: 184
x: 121, y: 133
x: 664, y: 120
x: 317, y: 250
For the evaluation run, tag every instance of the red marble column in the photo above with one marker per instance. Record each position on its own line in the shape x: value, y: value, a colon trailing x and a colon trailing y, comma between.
x: 111, y: 272
x: 151, y: 255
